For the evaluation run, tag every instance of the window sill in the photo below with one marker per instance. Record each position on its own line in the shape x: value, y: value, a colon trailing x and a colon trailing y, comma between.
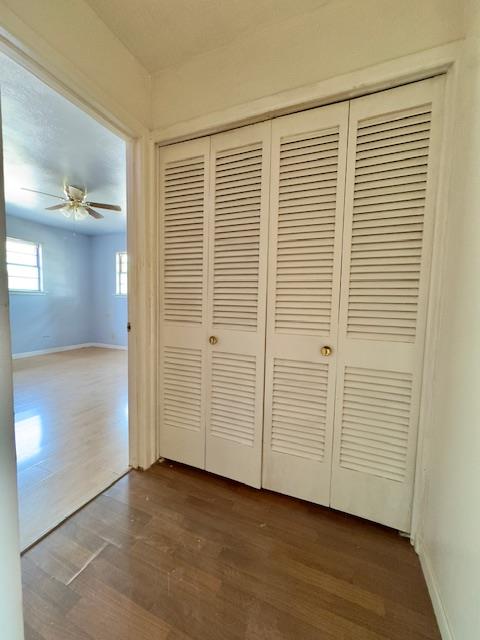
x: 19, y: 292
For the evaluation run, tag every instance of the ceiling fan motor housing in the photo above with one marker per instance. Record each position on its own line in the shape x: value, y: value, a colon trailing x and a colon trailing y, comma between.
x: 74, y: 193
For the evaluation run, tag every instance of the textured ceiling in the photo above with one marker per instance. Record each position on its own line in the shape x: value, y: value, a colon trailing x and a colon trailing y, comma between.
x: 48, y: 141
x: 164, y: 33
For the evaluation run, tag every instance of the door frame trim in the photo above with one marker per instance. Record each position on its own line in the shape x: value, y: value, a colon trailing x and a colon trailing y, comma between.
x: 405, y: 70
x: 34, y: 54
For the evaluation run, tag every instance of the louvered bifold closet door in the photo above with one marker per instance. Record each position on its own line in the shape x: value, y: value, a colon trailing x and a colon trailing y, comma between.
x: 393, y: 153
x: 183, y: 188
x: 307, y: 196
x: 238, y: 222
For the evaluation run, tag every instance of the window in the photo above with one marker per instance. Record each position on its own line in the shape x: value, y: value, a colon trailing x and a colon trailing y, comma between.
x: 24, y: 265
x: 121, y: 288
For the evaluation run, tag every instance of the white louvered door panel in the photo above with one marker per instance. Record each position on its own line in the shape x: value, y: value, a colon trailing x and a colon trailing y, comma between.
x: 183, y: 189
x: 238, y: 220
x: 307, y: 197
x: 394, y: 141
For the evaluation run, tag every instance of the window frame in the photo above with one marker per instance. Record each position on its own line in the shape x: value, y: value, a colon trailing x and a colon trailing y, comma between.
x: 121, y: 261
x: 38, y: 266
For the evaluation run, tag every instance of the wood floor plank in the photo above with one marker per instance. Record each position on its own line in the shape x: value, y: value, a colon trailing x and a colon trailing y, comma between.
x: 325, y: 548
x: 52, y: 590
x: 71, y: 432
x: 178, y: 554
x: 106, y: 613
x: 47, y: 620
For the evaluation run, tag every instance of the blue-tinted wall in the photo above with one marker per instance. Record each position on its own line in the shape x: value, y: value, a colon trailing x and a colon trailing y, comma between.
x: 109, y: 318
x: 61, y: 315
x: 78, y: 304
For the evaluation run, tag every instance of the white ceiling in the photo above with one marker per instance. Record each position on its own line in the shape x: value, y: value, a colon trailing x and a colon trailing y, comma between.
x: 164, y: 33
x: 49, y: 141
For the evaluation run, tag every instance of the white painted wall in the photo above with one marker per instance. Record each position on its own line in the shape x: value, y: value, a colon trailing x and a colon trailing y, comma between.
x: 450, y: 531
x: 343, y: 36
x: 71, y: 37
x: 11, y: 621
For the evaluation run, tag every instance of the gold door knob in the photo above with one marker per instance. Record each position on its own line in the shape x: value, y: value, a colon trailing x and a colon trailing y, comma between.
x: 326, y: 351
x: 213, y: 340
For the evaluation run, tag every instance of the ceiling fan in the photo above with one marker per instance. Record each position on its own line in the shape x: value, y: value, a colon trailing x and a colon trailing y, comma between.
x: 75, y: 204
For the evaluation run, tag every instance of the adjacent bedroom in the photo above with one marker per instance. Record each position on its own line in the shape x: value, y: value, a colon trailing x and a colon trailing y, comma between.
x: 65, y: 190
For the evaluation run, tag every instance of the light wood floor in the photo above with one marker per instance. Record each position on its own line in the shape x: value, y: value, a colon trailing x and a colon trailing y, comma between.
x: 178, y: 554
x: 71, y: 428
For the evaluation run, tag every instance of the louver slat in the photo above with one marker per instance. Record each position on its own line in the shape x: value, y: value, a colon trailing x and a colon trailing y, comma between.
x: 387, y: 227
x: 307, y: 202
x: 299, y: 408
x: 238, y: 201
x: 233, y: 393
x: 375, y: 422
x: 183, y: 250
x: 181, y: 388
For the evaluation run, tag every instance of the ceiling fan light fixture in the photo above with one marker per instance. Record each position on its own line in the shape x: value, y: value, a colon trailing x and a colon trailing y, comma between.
x: 80, y: 213
x: 75, y: 205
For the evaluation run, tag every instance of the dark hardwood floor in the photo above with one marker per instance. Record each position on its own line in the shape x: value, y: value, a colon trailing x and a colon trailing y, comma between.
x: 179, y: 554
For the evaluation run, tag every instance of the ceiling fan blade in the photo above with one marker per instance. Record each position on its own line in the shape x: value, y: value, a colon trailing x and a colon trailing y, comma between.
x: 101, y: 205
x: 42, y: 193
x: 94, y: 213
x: 55, y: 207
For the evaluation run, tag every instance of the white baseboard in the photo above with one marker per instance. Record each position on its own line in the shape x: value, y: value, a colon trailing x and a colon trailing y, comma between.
x: 102, y: 345
x: 440, y: 613
x: 71, y: 347
x: 41, y: 352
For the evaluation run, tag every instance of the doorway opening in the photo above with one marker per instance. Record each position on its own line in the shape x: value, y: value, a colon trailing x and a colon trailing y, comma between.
x: 66, y: 213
